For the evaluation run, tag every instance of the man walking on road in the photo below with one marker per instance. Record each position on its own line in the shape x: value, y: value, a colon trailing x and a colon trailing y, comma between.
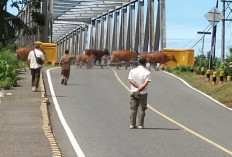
x: 139, y: 78
x: 34, y: 66
x: 65, y: 63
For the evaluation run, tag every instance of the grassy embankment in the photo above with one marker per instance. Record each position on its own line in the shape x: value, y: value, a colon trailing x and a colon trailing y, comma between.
x: 222, y: 93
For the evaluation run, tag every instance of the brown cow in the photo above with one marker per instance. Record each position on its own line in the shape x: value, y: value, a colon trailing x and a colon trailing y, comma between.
x: 83, y: 59
x: 96, y: 54
x: 123, y: 55
x: 23, y: 52
x: 157, y: 57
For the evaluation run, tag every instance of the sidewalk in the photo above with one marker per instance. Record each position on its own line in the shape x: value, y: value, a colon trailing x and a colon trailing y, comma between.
x: 21, y: 122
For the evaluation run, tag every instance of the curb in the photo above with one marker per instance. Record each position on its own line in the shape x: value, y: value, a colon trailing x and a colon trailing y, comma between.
x: 46, y: 120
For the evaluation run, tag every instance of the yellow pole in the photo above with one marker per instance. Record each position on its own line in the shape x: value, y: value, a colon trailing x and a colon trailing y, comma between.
x: 208, y: 75
x: 221, y: 77
x: 191, y: 69
x: 203, y: 71
x: 214, y: 78
x: 228, y: 78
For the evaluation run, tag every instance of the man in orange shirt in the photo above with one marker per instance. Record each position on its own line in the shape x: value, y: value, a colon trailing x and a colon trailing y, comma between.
x: 65, y: 63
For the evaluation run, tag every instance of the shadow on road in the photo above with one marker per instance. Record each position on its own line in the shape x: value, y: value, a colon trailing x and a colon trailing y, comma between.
x: 161, y: 129
x: 75, y: 84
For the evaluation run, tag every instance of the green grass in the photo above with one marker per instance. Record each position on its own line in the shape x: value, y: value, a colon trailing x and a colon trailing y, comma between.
x: 222, y: 93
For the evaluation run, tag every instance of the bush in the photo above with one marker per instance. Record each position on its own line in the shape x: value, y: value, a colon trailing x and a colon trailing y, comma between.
x: 185, y: 68
x: 202, y: 61
x: 225, y: 65
x: 182, y: 68
x: 9, y: 67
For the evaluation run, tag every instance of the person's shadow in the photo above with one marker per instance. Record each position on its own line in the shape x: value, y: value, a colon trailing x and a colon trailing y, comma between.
x: 168, y: 129
x: 76, y: 84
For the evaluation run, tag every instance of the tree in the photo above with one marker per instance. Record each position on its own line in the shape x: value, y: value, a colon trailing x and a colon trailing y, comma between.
x: 9, y: 23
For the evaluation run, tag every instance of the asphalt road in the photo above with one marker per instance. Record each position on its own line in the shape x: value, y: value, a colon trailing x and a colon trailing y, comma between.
x: 179, y: 122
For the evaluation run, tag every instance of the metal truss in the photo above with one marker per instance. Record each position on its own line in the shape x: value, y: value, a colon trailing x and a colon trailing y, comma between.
x: 133, y: 26
x: 67, y: 12
x: 99, y: 24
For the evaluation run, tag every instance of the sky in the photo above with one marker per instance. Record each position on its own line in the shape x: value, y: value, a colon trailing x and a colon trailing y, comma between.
x: 184, y: 18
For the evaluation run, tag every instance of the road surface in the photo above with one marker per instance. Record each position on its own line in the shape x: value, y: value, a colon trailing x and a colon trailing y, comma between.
x: 90, y: 117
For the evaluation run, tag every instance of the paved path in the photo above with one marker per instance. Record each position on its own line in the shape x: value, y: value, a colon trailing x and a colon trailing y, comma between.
x: 21, y: 132
x: 179, y: 122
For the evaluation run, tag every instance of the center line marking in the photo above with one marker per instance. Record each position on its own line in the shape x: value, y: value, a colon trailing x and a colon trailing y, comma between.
x: 175, y: 122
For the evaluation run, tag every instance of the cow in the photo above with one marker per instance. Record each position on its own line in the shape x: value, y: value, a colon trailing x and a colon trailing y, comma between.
x: 96, y: 54
x: 157, y: 57
x: 23, y: 52
x: 123, y: 55
x: 83, y: 59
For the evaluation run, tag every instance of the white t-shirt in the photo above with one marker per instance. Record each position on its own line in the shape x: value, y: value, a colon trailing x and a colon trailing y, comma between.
x: 139, y: 75
x: 31, y: 57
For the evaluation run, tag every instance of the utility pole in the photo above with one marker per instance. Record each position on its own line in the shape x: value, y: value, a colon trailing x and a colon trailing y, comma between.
x: 223, y: 28
x: 203, y: 43
x: 203, y: 39
x: 223, y: 32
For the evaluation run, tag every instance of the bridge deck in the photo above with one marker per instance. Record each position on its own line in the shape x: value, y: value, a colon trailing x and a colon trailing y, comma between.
x: 179, y: 121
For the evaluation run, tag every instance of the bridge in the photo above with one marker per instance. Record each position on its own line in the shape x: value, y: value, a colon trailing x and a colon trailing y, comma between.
x: 90, y: 115
x: 111, y: 24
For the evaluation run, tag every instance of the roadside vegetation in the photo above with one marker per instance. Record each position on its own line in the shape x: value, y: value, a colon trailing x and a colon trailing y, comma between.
x: 11, y: 26
x: 9, y: 67
x: 194, y: 76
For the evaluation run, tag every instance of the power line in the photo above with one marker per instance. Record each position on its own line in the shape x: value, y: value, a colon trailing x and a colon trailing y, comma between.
x: 197, y: 38
x: 200, y: 37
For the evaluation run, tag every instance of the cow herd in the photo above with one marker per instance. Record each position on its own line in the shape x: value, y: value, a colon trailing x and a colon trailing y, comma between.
x: 125, y: 56
x: 116, y: 57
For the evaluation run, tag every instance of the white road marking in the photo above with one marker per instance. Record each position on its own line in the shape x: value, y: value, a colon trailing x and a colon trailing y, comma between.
x: 67, y: 129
